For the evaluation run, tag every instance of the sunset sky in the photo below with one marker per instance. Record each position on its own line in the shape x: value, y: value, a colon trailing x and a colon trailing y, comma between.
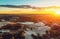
x: 36, y: 3
x: 31, y: 2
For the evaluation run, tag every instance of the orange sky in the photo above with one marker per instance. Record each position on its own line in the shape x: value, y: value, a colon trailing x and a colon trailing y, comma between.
x: 5, y: 10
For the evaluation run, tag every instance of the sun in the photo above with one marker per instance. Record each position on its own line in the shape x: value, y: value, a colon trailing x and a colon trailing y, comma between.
x: 58, y: 12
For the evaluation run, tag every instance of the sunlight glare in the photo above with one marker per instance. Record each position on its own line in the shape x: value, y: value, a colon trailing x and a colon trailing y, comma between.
x: 58, y: 12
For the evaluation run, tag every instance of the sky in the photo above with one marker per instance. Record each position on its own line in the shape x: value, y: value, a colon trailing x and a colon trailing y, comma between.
x: 31, y: 2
